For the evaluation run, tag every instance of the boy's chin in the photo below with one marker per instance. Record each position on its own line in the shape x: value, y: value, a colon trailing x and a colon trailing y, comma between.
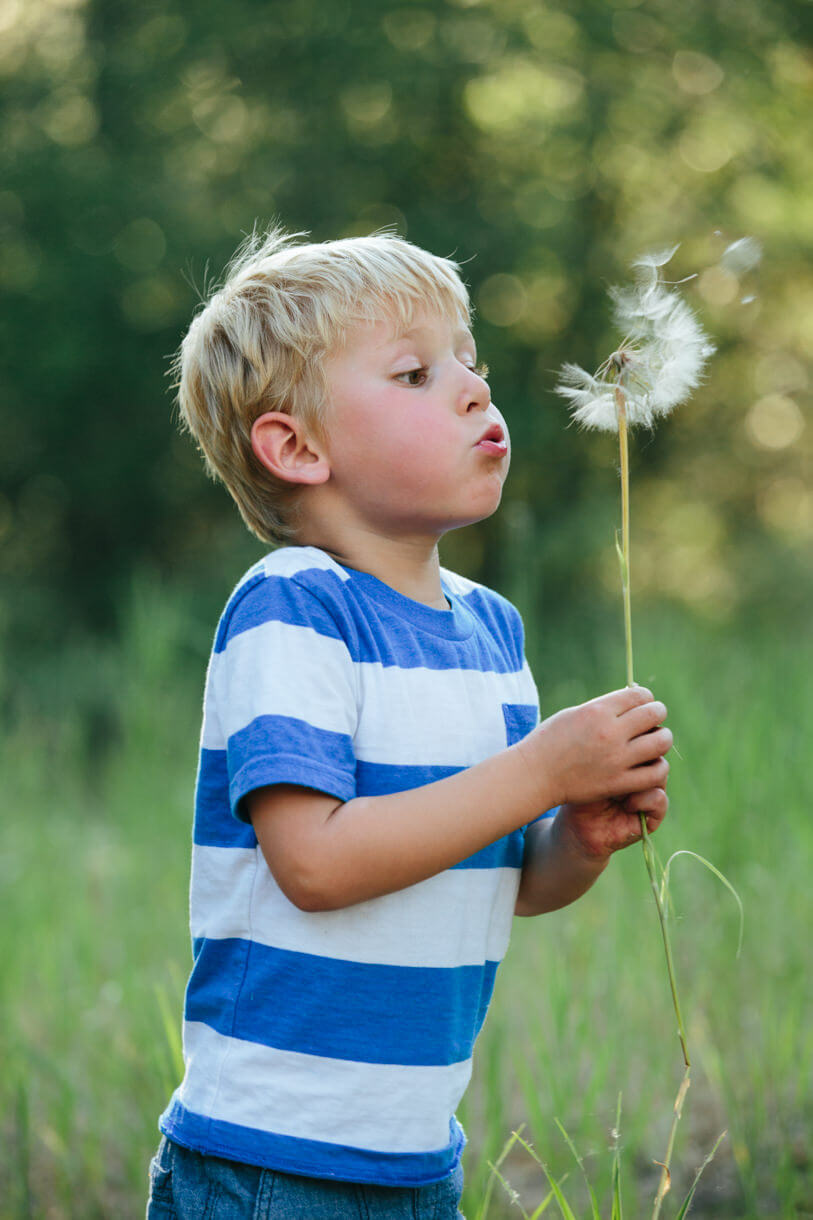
x: 492, y: 503
x: 481, y: 515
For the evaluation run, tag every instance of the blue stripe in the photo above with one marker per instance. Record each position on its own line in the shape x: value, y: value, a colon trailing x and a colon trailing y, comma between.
x: 254, y: 577
x: 283, y: 749
x: 215, y: 825
x: 386, y: 638
x: 280, y: 599
x: 312, y: 1158
x: 372, y: 631
x: 383, y: 779
x: 503, y: 619
x: 520, y: 720
x: 338, y: 1009
x: 505, y: 853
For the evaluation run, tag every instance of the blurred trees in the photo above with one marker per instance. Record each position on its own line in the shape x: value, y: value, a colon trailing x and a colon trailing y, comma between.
x: 542, y: 145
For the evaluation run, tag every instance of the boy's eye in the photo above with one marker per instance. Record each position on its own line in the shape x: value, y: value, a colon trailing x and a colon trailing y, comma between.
x: 412, y: 376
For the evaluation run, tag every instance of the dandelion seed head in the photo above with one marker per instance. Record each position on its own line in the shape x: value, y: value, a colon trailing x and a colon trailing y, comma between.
x: 659, y: 363
x: 591, y: 398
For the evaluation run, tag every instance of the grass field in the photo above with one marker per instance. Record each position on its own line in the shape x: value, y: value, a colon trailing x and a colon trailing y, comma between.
x: 98, y: 768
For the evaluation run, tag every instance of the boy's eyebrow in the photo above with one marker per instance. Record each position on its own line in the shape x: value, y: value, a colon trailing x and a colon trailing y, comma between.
x: 413, y: 332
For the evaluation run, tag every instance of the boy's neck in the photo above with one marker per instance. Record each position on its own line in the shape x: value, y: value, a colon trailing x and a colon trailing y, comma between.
x: 411, y: 566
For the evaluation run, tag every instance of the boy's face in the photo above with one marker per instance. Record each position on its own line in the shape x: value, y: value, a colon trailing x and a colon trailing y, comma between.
x: 415, y: 444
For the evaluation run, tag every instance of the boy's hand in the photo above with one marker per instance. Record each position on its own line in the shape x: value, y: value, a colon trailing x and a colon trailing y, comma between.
x: 563, y: 857
x: 600, y: 828
x: 611, y: 747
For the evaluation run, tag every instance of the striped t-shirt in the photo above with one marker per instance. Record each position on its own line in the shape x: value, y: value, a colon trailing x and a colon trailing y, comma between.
x: 337, y: 1044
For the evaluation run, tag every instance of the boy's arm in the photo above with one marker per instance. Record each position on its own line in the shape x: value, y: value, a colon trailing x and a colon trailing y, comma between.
x: 327, y: 854
x: 565, y: 854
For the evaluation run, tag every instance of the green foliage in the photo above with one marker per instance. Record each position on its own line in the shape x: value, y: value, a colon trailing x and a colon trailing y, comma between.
x: 543, y: 146
x: 556, y: 1193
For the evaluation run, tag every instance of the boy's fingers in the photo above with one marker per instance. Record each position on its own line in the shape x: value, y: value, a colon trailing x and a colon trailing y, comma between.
x: 650, y: 775
x: 644, y: 717
x: 621, y: 701
x: 653, y: 802
x: 650, y: 746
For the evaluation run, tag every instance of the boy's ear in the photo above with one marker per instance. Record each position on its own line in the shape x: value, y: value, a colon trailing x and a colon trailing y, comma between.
x: 281, y: 443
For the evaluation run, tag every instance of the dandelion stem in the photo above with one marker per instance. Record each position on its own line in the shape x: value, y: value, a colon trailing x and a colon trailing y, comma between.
x: 667, y: 947
x: 620, y: 403
x: 646, y: 845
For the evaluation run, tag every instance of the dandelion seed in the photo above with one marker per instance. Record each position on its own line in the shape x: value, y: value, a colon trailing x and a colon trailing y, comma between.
x: 659, y: 362
x: 742, y: 255
x: 650, y: 264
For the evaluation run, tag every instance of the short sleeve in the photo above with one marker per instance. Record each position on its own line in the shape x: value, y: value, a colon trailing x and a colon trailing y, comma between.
x: 281, y: 693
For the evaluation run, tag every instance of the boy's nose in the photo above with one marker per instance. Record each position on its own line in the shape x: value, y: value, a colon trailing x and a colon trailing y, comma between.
x: 476, y: 395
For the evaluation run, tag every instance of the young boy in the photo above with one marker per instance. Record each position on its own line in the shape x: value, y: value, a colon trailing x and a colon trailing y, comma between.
x: 373, y: 783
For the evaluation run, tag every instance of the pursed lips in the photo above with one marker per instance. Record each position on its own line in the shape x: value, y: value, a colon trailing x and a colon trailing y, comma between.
x: 493, y: 440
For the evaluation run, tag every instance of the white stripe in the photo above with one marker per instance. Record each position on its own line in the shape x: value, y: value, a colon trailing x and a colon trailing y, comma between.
x: 289, y: 561
x: 435, y: 717
x: 277, y: 669
x: 461, y: 917
x: 212, y: 736
x: 461, y: 585
x: 384, y: 1107
x: 432, y: 717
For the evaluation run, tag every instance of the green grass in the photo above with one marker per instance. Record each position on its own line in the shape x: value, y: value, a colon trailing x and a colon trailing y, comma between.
x: 98, y: 766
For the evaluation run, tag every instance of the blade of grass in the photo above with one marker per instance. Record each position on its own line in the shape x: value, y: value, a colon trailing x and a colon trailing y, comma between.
x: 564, y: 1206
x: 617, y: 1212
x: 23, y: 1169
x: 509, y: 1190
x: 543, y: 1206
x: 720, y: 877
x: 580, y: 1163
x: 666, y: 1173
x: 495, y: 1175
x: 684, y: 1207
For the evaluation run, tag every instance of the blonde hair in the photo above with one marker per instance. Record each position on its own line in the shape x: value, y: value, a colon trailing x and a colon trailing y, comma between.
x: 258, y: 343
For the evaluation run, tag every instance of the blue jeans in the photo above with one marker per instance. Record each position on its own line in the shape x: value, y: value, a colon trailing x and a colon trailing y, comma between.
x: 187, y: 1186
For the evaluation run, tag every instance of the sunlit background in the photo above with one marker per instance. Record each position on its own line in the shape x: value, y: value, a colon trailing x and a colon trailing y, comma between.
x: 544, y: 145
